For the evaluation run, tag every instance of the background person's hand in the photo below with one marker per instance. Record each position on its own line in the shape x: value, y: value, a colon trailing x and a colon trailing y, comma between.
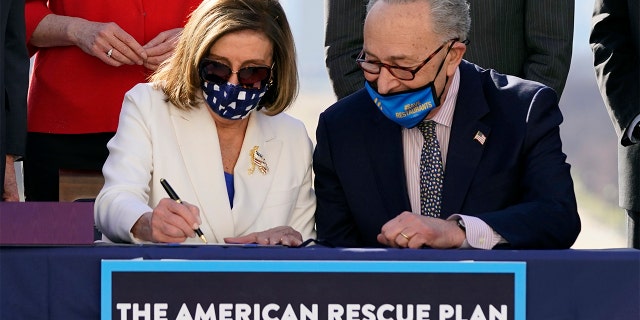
x: 98, y: 39
x: 161, y: 47
x: 170, y: 222
x: 283, y: 235
x: 410, y: 230
x: 10, y: 184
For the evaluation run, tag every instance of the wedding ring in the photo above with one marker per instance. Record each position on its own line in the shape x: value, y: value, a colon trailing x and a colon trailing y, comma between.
x: 404, y: 235
x: 109, y: 52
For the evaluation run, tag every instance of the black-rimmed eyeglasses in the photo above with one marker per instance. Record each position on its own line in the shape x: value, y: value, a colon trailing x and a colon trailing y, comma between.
x: 402, y: 73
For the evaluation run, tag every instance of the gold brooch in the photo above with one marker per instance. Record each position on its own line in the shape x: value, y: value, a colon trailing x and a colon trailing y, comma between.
x: 257, y: 160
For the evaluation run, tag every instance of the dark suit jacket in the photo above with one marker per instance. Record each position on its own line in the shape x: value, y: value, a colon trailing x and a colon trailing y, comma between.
x: 14, y: 81
x: 517, y: 182
x: 615, y: 40
x: 531, y: 39
x: 343, y: 40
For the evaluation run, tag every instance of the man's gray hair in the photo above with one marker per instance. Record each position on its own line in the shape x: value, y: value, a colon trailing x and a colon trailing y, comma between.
x: 450, y: 18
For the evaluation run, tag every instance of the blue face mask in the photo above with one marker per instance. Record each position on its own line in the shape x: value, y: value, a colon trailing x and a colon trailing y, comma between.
x: 406, y: 108
x: 232, y: 101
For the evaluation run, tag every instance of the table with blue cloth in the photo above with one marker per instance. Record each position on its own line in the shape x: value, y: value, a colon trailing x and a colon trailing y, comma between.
x: 63, y: 282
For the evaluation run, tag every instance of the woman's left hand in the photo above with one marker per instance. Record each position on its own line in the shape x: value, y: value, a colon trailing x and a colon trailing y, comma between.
x: 283, y: 235
x: 161, y: 47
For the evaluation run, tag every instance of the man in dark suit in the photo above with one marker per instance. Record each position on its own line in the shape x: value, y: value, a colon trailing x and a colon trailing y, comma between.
x: 531, y: 39
x: 506, y: 182
x: 14, y: 81
x: 615, y: 40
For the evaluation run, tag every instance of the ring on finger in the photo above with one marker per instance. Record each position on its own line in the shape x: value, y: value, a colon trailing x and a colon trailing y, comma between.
x: 110, y: 52
x: 404, y: 236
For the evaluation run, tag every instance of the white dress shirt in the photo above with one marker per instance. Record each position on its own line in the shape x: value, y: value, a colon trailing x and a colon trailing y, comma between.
x: 478, y: 234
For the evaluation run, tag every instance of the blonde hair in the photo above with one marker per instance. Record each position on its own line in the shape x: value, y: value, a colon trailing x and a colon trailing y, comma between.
x: 178, y: 76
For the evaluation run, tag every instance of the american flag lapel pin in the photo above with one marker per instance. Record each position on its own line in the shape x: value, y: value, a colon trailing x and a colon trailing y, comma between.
x: 480, y: 137
x: 257, y: 160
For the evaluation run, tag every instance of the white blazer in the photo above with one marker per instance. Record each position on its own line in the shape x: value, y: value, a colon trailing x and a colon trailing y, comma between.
x: 157, y: 140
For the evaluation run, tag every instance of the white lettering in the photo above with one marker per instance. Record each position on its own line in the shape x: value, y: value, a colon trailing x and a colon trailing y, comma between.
x: 493, y: 312
x: 367, y: 311
x: 224, y: 311
x: 243, y: 311
x: 459, y: 312
x: 289, y: 314
x: 137, y: 313
x: 384, y: 308
x: 353, y: 311
x: 399, y: 312
x: 256, y: 311
x: 335, y: 311
x: 422, y: 311
x: 160, y: 311
x: 184, y: 314
x: 209, y: 315
x: 310, y: 314
x: 446, y: 311
x: 268, y: 308
x: 478, y: 314
x: 123, y: 307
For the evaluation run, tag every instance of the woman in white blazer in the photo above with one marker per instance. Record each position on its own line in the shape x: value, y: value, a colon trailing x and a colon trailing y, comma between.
x: 211, y: 123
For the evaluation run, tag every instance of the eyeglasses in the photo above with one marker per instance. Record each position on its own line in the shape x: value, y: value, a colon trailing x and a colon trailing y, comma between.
x: 219, y: 73
x: 402, y: 73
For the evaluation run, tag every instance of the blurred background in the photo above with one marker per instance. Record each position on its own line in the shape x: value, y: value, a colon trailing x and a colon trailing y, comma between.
x: 587, y: 132
x: 588, y: 136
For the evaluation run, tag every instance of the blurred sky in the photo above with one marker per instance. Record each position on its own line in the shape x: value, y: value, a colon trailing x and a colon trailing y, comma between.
x: 582, y: 23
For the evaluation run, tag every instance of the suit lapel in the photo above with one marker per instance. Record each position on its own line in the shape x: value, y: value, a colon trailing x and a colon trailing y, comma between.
x: 384, y: 147
x: 206, y: 173
x: 465, y: 151
x: 251, y: 189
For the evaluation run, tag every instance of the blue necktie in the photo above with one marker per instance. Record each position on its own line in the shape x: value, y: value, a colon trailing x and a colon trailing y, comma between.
x: 431, y: 171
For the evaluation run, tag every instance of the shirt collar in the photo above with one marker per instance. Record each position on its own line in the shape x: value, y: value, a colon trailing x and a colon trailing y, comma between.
x: 445, y: 114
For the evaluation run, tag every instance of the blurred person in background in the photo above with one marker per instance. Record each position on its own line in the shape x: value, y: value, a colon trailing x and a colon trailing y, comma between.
x: 87, y: 55
x: 615, y: 41
x: 14, y: 81
x: 531, y: 39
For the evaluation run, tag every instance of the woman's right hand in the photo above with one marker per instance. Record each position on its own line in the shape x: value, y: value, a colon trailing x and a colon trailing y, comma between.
x: 169, y: 221
x: 97, y: 39
x: 106, y: 41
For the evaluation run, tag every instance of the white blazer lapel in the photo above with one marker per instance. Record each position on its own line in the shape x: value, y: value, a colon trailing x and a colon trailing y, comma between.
x: 200, y: 149
x: 251, y: 189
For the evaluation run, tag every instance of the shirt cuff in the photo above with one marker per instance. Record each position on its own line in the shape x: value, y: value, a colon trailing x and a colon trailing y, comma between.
x: 479, y: 234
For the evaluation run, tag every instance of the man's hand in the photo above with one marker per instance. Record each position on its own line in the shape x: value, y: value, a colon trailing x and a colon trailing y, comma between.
x: 410, y: 230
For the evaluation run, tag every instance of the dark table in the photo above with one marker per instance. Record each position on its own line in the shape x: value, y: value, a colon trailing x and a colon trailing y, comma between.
x: 63, y: 282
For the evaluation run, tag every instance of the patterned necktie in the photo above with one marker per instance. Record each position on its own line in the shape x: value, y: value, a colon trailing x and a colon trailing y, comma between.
x: 431, y: 171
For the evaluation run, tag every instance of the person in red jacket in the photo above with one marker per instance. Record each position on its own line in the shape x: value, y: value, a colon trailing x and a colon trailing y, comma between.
x: 87, y: 55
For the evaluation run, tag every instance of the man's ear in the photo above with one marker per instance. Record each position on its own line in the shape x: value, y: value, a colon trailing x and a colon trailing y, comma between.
x: 455, y: 56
